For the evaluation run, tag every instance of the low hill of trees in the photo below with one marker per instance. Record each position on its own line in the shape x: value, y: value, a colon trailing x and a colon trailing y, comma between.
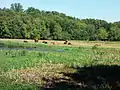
x: 15, y: 22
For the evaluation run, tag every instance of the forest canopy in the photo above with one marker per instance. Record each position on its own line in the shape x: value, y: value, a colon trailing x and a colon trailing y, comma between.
x: 32, y: 23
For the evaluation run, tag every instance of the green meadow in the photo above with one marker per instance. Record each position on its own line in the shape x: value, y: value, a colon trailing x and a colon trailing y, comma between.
x: 36, y: 66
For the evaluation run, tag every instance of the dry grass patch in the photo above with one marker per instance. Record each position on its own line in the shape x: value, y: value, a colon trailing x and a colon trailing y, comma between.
x: 75, y: 43
x: 38, y: 74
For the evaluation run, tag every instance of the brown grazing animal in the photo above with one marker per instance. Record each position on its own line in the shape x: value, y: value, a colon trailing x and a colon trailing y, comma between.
x: 69, y: 43
x: 36, y: 40
x: 25, y: 41
x: 44, y: 42
x: 53, y: 43
x: 66, y: 42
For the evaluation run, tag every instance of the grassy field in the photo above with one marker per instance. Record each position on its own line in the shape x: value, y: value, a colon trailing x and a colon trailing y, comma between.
x: 82, y: 65
x: 104, y: 44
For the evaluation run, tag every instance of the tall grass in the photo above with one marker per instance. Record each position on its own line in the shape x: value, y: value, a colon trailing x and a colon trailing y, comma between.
x: 15, y: 60
x: 11, y: 44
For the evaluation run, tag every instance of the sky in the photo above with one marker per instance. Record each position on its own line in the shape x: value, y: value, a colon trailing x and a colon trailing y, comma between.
x: 108, y: 10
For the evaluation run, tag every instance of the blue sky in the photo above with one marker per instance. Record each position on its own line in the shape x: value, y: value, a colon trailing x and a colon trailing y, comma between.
x: 108, y: 10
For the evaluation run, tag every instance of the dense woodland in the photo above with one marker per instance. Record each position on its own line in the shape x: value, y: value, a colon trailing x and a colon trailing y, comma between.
x: 17, y: 23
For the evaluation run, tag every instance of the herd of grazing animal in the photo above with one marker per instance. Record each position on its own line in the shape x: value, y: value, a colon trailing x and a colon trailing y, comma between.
x: 45, y: 42
x: 66, y: 42
x: 54, y: 43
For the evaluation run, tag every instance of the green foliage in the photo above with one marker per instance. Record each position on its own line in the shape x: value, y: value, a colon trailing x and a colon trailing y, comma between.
x: 56, y: 31
x: 115, y: 33
x: 35, y: 24
x: 102, y: 34
x: 17, y: 7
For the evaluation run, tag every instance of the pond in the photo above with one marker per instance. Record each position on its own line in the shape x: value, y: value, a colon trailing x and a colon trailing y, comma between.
x: 42, y: 49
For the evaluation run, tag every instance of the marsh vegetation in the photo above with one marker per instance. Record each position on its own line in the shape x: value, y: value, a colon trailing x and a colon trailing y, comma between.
x: 38, y: 66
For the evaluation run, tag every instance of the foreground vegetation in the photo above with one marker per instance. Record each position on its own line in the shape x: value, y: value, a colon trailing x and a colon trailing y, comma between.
x: 78, y: 67
x: 33, y: 23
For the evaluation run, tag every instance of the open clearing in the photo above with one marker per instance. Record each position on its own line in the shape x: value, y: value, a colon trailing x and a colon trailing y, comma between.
x: 106, y: 44
x: 83, y: 65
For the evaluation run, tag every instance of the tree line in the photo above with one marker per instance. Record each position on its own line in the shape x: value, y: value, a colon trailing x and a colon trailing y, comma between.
x: 17, y: 23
